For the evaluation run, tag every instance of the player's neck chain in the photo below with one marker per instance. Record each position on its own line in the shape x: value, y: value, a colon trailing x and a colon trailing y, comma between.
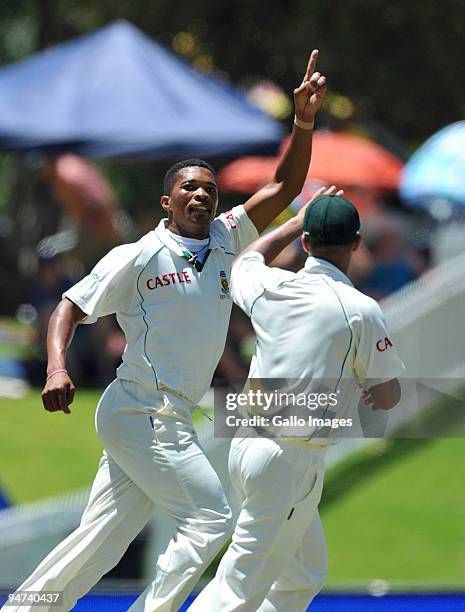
x: 194, y: 258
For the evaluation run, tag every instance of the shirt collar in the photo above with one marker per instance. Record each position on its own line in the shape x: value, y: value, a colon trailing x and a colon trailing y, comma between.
x: 316, y: 265
x: 169, y: 242
x: 166, y: 239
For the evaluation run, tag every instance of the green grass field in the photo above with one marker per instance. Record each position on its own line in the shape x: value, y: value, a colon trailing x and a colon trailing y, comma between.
x: 395, y: 514
x: 398, y: 515
x: 43, y: 454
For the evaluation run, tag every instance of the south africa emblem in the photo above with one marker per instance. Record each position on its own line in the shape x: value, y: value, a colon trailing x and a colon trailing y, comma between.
x: 224, y: 285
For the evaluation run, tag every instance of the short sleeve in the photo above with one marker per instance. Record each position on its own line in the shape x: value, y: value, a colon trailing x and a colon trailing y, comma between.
x: 250, y: 278
x: 376, y: 358
x: 239, y: 227
x: 109, y: 287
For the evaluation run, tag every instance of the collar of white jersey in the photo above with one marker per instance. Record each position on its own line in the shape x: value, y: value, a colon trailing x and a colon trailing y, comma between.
x: 316, y: 265
x: 173, y: 245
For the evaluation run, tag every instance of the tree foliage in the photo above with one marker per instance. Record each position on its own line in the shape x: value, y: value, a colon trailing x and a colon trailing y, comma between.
x: 392, y: 63
x: 399, y: 62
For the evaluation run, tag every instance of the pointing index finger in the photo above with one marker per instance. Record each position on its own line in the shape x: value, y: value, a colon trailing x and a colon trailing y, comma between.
x: 311, y: 64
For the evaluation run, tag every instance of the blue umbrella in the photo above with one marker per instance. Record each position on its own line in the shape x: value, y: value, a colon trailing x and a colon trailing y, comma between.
x: 117, y: 93
x: 434, y: 177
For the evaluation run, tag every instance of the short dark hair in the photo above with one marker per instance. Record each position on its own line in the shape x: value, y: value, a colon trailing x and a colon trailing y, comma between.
x: 171, y: 175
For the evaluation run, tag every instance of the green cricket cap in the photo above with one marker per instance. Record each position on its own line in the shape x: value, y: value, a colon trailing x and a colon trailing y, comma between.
x: 331, y: 220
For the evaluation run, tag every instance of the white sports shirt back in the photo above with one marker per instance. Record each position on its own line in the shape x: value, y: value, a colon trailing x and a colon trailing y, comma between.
x: 314, y: 325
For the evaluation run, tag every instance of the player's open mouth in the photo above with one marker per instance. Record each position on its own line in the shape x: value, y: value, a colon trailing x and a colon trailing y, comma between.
x: 199, y: 209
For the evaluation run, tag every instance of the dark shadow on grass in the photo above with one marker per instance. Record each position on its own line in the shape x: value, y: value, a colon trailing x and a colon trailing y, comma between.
x: 445, y: 420
x: 367, y: 464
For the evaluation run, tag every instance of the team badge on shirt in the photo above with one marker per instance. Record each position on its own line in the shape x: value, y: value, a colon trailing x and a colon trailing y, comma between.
x: 224, y: 285
x: 230, y: 219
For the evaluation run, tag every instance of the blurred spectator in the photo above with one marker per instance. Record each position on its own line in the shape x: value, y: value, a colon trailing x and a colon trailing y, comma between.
x: 394, y: 260
x: 361, y: 265
x: 96, y: 349
x: 52, y: 281
x: 233, y: 366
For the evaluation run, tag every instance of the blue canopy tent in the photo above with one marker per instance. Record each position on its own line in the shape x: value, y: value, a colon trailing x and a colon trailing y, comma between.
x: 116, y: 93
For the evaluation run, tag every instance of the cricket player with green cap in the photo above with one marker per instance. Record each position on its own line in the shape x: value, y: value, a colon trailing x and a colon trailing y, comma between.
x: 311, y: 325
x: 331, y: 220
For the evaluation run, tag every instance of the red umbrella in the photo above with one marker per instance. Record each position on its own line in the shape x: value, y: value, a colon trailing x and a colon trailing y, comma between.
x: 343, y: 159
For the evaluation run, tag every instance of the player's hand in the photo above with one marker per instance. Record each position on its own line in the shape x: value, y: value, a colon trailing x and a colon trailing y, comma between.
x: 333, y: 190
x: 58, y: 393
x: 309, y: 97
x: 367, y: 398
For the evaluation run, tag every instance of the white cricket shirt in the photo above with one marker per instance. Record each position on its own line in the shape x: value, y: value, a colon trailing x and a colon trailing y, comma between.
x: 315, y: 325
x: 174, y: 318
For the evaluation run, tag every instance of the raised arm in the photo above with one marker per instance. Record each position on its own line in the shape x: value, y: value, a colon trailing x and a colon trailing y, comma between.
x: 272, y: 243
x: 289, y: 178
x: 58, y: 392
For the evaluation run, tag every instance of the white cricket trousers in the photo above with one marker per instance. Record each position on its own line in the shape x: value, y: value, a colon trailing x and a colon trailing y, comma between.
x: 277, y: 559
x: 152, y: 457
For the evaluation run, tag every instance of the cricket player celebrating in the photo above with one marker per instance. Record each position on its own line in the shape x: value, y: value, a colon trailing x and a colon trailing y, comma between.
x: 170, y: 293
x: 315, y: 325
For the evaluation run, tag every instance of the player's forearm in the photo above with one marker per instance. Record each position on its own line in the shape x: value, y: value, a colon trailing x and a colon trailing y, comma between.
x: 61, y: 329
x: 293, y: 168
x: 272, y: 243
